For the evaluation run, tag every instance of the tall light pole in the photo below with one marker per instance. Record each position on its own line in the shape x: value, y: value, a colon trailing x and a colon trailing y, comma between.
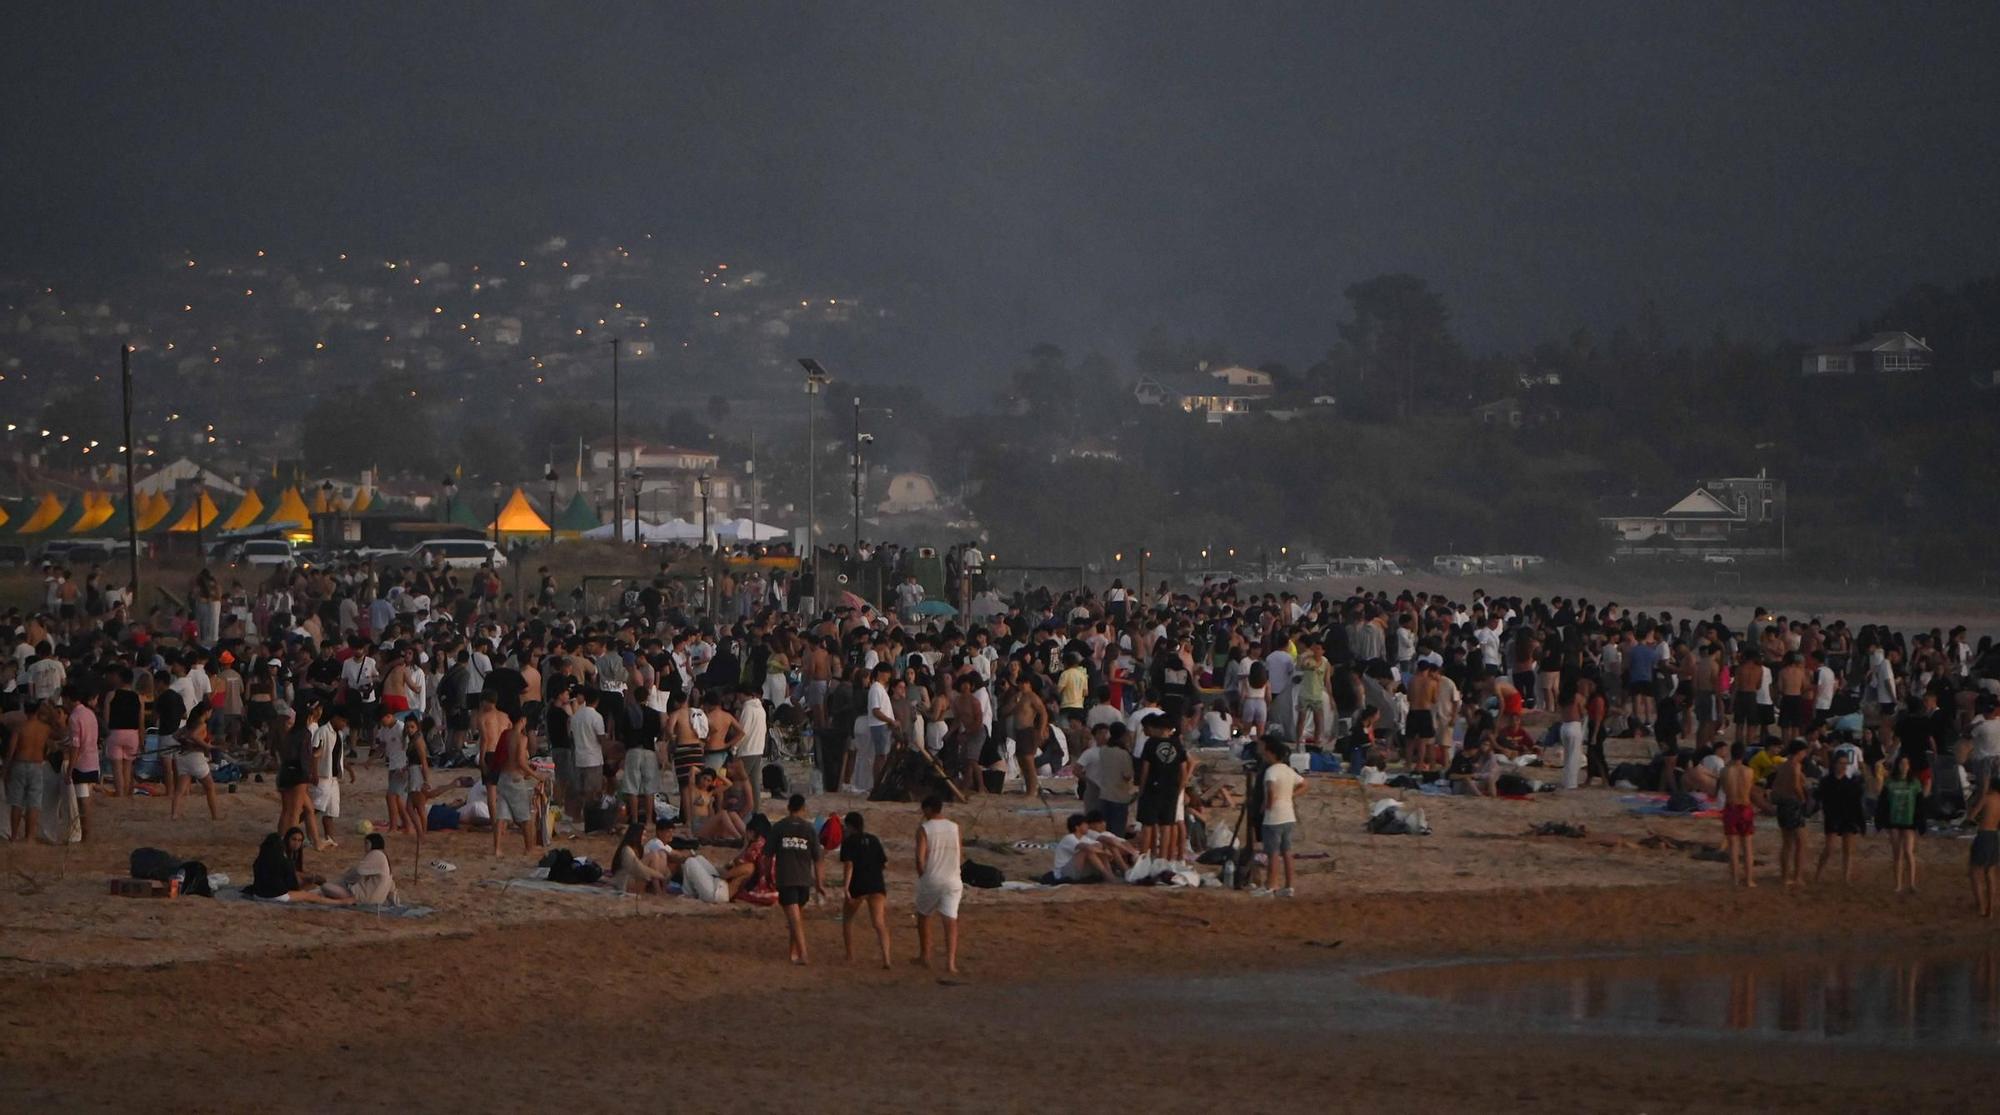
x: 450, y: 494
x: 131, y: 512
x: 816, y: 378
x: 550, y: 476
x: 751, y: 468
x: 702, y: 487
x: 861, y: 439
x: 617, y: 457
x: 638, y: 480
x: 496, y: 514
x: 855, y: 559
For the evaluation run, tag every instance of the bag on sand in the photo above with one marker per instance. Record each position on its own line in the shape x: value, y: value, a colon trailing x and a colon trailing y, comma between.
x: 154, y: 864
x: 983, y: 876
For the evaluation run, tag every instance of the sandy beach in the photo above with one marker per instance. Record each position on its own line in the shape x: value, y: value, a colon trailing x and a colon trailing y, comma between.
x: 507, y: 998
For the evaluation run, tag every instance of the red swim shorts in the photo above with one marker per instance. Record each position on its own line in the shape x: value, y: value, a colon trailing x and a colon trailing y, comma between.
x: 1739, y: 820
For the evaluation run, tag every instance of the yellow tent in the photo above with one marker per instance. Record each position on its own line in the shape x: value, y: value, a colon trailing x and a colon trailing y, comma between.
x: 519, y: 517
x: 97, y: 510
x: 152, y: 509
x: 363, y: 499
x: 203, y: 506
x: 3, y: 517
x: 246, y: 512
x: 291, y: 509
x: 46, y: 513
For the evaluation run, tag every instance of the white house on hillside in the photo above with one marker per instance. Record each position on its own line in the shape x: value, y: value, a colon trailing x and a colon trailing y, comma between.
x: 1883, y: 352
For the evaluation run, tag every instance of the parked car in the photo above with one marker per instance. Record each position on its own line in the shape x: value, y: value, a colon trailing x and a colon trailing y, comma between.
x: 458, y: 553
x: 267, y: 552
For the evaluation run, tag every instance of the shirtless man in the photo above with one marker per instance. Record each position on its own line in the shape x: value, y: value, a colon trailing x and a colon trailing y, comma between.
x: 516, y: 785
x: 724, y: 731
x: 968, y: 718
x: 1749, y: 680
x: 684, y: 741
x: 1788, y: 799
x: 1739, y: 817
x: 1420, y: 732
x: 27, y: 772
x: 1029, y: 717
x: 1705, y: 677
x: 492, y: 726
x: 1985, y: 859
x: 1794, y: 703
x: 818, y: 672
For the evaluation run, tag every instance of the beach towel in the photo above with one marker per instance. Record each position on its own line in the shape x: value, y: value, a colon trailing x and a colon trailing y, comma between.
x: 236, y: 894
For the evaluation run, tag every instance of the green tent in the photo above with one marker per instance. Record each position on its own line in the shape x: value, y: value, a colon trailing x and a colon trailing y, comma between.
x: 577, y: 517
x: 464, y: 514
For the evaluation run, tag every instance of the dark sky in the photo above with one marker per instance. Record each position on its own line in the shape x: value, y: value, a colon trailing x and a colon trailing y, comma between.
x: 1002, y: 173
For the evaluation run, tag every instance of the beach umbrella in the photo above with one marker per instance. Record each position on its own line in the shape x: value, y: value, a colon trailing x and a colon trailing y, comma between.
x: 934, y: 608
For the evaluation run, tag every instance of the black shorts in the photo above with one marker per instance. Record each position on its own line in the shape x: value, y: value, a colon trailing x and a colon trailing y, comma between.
x: 488, y: 776
x: 85, y: 777
x: 1156, y: 809
x: 794, y: 896
x: 1791, y: 814
x: 1746, y: 708
x: 866, y: 889
x: 1794, y: 712
x: 291, y: 775
x: 1421, y: 724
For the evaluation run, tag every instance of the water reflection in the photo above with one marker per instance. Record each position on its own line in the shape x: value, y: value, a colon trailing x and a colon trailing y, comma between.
x: 1883, y: 995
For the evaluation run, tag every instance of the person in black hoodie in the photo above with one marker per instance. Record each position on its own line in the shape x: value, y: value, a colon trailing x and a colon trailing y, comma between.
x: 277, y: 875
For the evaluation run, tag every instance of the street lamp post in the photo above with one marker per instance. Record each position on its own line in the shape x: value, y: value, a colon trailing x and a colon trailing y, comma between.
x: 325, y: 500
x: 816, y: 378
x: 450, y: 493
x: 638, y: 478
x: 702, y: 489
x: 550, y: 476
x: 856, y: 461
x: 496, y: 514
x: 617, y: 496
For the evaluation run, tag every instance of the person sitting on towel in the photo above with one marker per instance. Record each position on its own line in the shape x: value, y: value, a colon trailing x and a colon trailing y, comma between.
x: 1078, y: 858
x: 277, y: 875
x: 369, y: 882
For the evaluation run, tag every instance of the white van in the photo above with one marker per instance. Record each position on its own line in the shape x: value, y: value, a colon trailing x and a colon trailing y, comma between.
x: 264, y: 553
x: 458, y: 553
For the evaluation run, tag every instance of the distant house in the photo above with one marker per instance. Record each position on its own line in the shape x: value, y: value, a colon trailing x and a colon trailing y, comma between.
x: 1881, y: 353
x: 909, y: 493
x: 1514, y: 413
x: 1722, y: 514
x: 1215, y: 392
x: 669, y: 458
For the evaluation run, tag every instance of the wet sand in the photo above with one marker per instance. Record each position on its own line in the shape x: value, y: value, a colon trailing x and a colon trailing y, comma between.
x: 510, y: 1000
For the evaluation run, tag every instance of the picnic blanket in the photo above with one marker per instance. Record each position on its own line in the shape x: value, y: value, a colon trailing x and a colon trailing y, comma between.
x: 600, y: 890
x: 235, y: 894
x: 1655, y: 805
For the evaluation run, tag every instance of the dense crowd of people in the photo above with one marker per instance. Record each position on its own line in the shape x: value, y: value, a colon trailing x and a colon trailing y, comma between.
x: 657, y: 714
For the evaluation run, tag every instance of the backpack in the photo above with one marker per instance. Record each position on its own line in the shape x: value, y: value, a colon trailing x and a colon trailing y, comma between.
x: 775, y: 782
x: 983, y: 876
x: 194, y: 879
x: 153, y: 863
x: 832, y: 834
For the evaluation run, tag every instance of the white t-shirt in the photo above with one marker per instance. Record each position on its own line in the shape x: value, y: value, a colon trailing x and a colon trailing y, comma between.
x: 586, y: 735
x: 1280, y: 781
x: 1986, y: 739
x: 878, y: 701
x: 1065, y: 853
x: 751, y: 719
x: 1824, y: 687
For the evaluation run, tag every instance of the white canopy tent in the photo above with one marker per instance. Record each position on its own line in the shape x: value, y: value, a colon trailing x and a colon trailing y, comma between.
x: 744, y: 530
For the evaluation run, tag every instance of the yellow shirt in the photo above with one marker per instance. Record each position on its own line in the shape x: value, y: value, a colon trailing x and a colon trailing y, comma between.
x: 1073, y: 686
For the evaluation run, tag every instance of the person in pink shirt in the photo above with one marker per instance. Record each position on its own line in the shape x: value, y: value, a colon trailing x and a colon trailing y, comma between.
x: 85, y: 760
